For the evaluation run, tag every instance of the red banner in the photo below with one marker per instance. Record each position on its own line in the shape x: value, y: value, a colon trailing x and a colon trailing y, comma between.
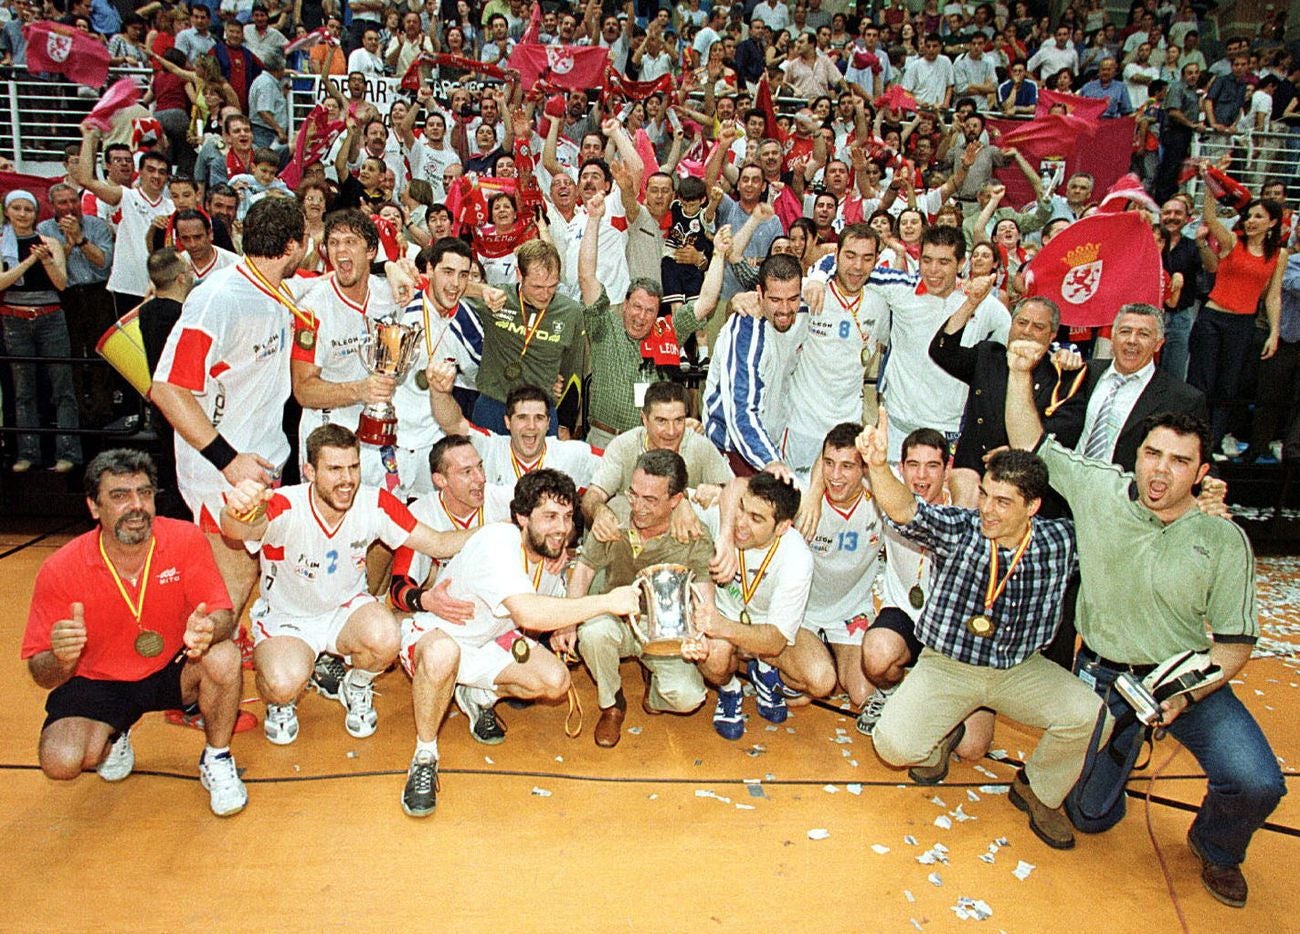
x: 38, y: 185
x: 64, y: 50
x: 1089, y: 108
x: 1105, y: 154
x: 576, y: 68
x: 1097, y: 264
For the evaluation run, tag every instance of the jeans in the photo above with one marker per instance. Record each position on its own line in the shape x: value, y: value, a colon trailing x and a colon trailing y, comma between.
x: 1218, y: 349
x: 1277, y: 400
x: 46, y: 336
x: 1178, y: 328
x: 1245, y: 783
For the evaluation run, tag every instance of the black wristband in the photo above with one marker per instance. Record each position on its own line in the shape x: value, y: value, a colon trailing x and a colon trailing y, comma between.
x: 413, y: 598
x: 219, y: 453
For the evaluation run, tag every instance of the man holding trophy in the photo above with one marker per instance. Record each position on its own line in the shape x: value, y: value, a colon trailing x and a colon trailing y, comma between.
x: 674, y: 683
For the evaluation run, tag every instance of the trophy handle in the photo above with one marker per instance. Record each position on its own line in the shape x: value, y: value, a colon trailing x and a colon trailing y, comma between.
x: 696, y: 600
x: 642, y: 584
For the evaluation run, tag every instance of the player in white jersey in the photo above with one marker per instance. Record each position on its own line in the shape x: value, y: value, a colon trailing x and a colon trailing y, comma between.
x: 192, y: 232
x: 918, y: 393
x: 512, y: 574
x: 129, y: 279
x: 526, y: 448
x: 463, y: 501
x: 826, y: 386
x: 313, y: 541
x: 329, y: 379
x: 846, y: 550
x: 223, y: 379
x: 746, y: 402
x: 765, y: 571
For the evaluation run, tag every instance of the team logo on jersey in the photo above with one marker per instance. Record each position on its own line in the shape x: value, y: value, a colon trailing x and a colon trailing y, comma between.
x: 306, y: 567
x: 58, y: 46
x: 169, y: 576
x: 1084, y: 278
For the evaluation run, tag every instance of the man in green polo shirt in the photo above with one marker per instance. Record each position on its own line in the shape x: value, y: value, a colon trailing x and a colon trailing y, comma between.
x: 537, y: 336
x: 1160, y: 577
x: 622, y: 366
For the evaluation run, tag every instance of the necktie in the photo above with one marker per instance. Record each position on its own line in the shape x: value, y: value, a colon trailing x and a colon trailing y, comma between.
x: 1104, y: 432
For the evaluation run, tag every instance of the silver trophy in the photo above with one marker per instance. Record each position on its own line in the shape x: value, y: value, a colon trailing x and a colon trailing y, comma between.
x: 388, y: 350
x: 668, y: 601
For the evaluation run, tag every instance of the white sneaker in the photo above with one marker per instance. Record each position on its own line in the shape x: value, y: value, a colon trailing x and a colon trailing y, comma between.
x: 281, y: 723
x: 120, y: 760
x: 872, y: 710
x: 359, y: 702
x: 220, y: 777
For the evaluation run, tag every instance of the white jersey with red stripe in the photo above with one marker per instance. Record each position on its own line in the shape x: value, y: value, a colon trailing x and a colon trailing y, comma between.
x: 492, y: 567
x: 310, y: 568
x: 130, y: 274
x: 907, y: 565
x: 611, y: 259
x: 432, y: 511
x: 503, y: 467
x: 230, y: 348
x: 340, y: 334
x: 846, y: 553
x: 94, y: 206
x: 220, y: 259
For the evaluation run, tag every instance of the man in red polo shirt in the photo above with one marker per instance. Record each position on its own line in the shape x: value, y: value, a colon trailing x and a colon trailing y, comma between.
x: 128, y: 618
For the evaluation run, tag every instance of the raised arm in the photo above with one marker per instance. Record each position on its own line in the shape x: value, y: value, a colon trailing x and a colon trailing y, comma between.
x: 895, y: 499
x: 1024, y: 427
x: 588, y: 280
x: 83, y: 170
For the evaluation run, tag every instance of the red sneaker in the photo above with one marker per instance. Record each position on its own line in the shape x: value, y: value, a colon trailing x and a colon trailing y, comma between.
x: 243, y: 723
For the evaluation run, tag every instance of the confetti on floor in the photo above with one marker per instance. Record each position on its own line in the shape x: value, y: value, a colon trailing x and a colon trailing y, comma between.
x: 1022, y: 870
x: 818, y: 833
x: 541, y: 792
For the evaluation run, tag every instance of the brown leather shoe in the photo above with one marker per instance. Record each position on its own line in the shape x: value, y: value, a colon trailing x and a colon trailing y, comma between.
x: 1049, y: 824
x: 609, y: 728
x: 934, y: 774
x: 1226, y: 883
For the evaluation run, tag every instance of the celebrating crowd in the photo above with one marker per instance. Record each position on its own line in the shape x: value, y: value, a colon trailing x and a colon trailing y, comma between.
x: 539, y: 336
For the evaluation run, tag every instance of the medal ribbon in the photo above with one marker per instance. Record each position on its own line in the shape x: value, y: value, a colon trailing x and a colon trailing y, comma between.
x: 532, y: 329
x: 428, y: 344
x: 281, y: 295
x: 992, y: 593
x: 135, y: 606
x: 474, y: 521
x: 520, y: 467
x: 1057, y: 402
x: 747, y: 590
x: 537, y: 575
x: 851, y: 308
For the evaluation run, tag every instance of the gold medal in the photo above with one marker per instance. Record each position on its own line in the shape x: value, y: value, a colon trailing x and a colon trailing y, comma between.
x: 149, y: 643
x: 981, y: 626
x: 421, y: 380
x: 866, y: 355
x: 513, y: 371
x: 520, y: 650
x: 306, y: 339
x: 745, y: 618
x: 916, y: 597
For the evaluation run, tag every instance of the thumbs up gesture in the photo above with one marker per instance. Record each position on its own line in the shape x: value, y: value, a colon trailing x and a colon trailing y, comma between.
x: 68, y: 637
x: 198, y: 632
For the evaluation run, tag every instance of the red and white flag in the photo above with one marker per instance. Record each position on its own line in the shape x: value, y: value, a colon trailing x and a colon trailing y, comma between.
x: 64, y: 50
x: 307, y: 40
x: 532, y: 35
x: 1097, y: 264
x: 573, y: 67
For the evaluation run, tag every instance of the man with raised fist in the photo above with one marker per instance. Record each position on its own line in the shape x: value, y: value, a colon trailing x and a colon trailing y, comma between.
x: 131, y: 617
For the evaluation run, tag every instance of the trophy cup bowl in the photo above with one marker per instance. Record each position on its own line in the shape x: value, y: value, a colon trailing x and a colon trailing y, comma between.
x: 668, y: 600
x: 389, y: 349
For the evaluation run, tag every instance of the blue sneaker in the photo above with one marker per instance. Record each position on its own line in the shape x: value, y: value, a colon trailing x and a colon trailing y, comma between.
x: 769, y: 691
x: 727, y: 719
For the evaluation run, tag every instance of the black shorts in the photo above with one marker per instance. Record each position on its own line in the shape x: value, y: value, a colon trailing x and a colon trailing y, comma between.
x: 895, y: 620
x: 118, y: 703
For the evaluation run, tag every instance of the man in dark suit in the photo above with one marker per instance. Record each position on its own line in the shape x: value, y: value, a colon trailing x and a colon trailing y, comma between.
x: 1123, y: 394
x: 1059, y: 396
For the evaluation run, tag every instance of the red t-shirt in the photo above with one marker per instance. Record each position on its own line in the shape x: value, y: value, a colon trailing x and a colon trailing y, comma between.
x: 183, y: 575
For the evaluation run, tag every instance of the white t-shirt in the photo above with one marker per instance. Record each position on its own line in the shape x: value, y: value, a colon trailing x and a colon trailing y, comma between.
x: 929, y: 81
x: 221, y: 258
x: 429, y: 163
x: 1138, y: 92
x: 781, y: 595
x: 918, y: 393
x: 432, y: 511
x: 907, y: 565
x: 310, y: 569
x: 503, y: 468
x: 611, y: 258
x: 490, y: 569
x: 230, y: 348
x: 846, y: 552
x: 130, y: 273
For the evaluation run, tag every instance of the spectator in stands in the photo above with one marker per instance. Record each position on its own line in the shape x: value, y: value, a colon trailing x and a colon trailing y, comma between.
x: 238, y: 65
x: 197, y: 39
x: 260, y: 37
x: 1105, y: 87
x: 930, y: 78
x: 1051, y: 57
x: 268, y: 103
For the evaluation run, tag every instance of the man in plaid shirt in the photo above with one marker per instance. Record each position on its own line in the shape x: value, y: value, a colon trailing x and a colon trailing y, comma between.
x: 1000, y: 572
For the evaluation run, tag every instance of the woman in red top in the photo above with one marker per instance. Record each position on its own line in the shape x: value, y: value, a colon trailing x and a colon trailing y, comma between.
x: 1250, y: 261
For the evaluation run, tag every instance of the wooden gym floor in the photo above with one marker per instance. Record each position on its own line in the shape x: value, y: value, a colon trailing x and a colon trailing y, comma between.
x: 798, y: 827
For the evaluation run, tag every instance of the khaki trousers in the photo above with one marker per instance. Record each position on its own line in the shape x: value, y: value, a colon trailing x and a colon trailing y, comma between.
x: 676, y: 685
x: 941, y: 692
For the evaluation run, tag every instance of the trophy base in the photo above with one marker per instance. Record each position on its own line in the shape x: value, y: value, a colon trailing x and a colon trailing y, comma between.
x: 381, y: 432
x: 663, y: 648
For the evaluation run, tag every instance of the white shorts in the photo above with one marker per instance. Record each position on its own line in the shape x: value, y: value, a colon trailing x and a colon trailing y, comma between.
x: 320, y: 632
x: 479, y: 664
x: 845, y: 632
